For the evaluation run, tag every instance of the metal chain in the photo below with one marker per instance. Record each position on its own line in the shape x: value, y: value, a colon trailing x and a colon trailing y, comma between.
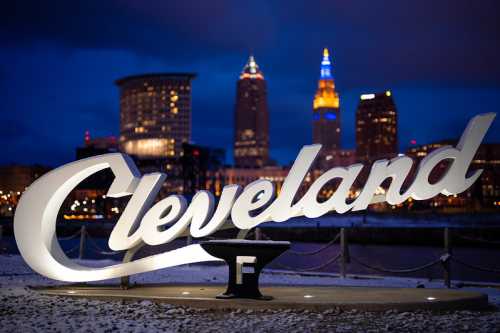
x: 480, y: 240
x: 73, y: 249
x: 76, y: 234
x: 263, y: 235
x: 315, y: 268
x: 489, y: 270
x: 310, y: 253
x: 407, y: 270
x: 97, y: 248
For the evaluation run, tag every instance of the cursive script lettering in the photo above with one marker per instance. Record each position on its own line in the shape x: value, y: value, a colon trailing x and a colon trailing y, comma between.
x: 169, y: 218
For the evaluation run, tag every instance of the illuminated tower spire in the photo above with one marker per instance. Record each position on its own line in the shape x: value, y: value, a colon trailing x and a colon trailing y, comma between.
x: 251, y: 70
x: 326, y: 108
x: 251, y: 120
x: 326, y: 96
x: 326, y: 66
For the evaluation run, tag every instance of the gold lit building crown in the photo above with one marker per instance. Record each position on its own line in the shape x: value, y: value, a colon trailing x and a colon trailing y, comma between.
x: 326, y: 96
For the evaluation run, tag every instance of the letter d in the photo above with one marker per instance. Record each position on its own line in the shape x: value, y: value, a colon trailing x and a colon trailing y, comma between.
x: 457, y: 180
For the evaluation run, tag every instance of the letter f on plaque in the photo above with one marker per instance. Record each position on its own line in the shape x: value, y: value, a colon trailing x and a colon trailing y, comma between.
x: 240, y: 262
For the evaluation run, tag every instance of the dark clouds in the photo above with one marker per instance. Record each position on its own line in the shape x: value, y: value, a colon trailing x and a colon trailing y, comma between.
x: 59, y: 59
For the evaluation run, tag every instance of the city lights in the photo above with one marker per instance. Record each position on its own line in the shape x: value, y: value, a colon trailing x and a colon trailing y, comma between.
x: 365, y: 97
x: 36, y: 214
x: 263, y: 166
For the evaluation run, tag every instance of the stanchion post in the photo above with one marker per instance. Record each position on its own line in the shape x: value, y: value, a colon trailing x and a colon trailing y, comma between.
x: 125, y: 280
x: 82, y: 242
x: 448, y: 253
x: 344, y: 252
x: 258, y: 234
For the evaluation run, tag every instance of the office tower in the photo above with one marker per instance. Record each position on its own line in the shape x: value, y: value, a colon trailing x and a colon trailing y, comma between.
x: 251, y: 120
x: 155, y: 114
x: 376, y: 127
x: 326, y: 109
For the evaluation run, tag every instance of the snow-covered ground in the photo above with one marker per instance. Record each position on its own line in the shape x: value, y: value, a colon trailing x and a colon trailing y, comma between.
x: 24, y: 310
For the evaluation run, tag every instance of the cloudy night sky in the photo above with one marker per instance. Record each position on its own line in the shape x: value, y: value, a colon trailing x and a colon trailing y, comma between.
x: 59, y: 61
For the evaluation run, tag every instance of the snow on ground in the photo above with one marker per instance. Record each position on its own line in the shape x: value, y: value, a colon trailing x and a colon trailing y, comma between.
x: 23, y: 310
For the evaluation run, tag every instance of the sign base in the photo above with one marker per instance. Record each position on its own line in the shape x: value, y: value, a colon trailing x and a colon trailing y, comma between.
x: 299, y: 298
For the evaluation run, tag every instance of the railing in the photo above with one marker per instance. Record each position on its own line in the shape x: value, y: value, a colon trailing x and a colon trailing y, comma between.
x: 343, y: 257
x: 85, y: 238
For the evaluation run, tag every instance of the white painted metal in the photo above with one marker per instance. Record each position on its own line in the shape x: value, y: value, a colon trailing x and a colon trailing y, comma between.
x: 36, y: 214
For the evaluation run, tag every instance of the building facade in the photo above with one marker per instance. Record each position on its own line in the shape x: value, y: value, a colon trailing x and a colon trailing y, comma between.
x: 484, y: 194
x: 376, y: 127
x: 14, y: 179
x: 198, y: 164
x: 326, y: 109
x: 216, y: 180
x: 96, y: 146
x: 251, y: 119
x: 338, y: 158
x: 155, y: 114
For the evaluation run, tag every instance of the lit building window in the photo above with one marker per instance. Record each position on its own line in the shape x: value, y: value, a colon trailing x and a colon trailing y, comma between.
x: 149, y: 147
x: 330, y: 116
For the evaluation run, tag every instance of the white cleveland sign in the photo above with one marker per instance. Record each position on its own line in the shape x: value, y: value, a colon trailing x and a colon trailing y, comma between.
x: 36, y: 214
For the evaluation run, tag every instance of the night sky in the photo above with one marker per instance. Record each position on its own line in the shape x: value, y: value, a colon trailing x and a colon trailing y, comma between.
x: 59, y: 61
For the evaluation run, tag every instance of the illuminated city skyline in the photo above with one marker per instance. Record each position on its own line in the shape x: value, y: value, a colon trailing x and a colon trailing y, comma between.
x: 66, y: 64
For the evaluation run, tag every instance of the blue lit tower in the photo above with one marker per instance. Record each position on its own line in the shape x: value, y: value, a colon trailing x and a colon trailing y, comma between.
x: 326, y: 109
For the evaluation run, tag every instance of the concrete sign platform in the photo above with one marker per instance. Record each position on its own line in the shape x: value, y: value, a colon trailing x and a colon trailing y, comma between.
x: 312, y: 298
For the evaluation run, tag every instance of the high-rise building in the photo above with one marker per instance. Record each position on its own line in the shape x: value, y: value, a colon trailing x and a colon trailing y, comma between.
x: 376, y: 127
x: 155, y: 114
x: 251, y: 137
x: 326, y: 109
